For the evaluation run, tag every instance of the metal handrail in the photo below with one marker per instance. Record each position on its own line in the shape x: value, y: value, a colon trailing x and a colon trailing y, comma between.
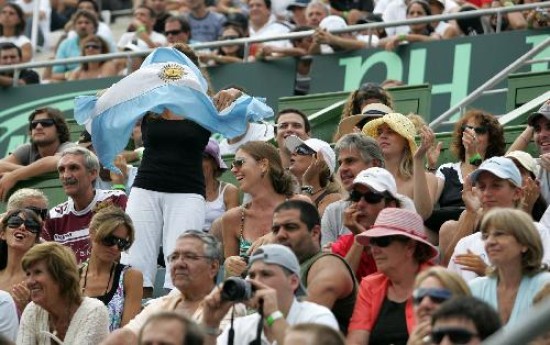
x: 247, y: 41
x: 497, y: 78
x: 505, y: 119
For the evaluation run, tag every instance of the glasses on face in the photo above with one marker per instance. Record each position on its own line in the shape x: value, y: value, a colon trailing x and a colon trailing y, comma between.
x: 229, y: 37
x: 477, y: 130
x: 43, y: 123
x: 15, y: 222
x: 304, y: 150
x: 41, y: 212
x: 172, y: 32
x: 92, y: 46
x: 111, y: 240
x: 369, y: 197
x: 436, y: 295
x: 385, y: 241
x: 238, y: 163
x: 456, y: 335
x: 188, y: 257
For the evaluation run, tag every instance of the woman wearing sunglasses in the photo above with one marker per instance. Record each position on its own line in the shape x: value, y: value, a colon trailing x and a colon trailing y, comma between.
x: 226, y: 54
x: 516, y: 274
x: 94, y: 45
x: 118, y: 286
x: 477, y: 136
x: 432, y: 287
x: 19, y: 232
x: 383, y: 312
x: 259, y: 170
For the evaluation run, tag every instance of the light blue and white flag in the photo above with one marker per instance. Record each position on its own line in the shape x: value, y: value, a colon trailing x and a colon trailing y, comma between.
x: 169, y: 80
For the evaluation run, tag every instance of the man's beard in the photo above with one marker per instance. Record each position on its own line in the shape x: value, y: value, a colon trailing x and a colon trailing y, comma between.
x: 43, y: 142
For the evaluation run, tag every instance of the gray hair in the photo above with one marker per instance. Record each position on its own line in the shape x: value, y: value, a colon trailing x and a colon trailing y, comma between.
x: 368, y: 147
x: 318, y: 3
x: 91, y: 162
x: 19, y: 198
x: 212, y: 247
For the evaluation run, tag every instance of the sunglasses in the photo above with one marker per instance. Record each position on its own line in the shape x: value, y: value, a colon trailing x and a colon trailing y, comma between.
x: 111, y: 240
x: 436, y: 295
x: 304, y: 150
x: 172, y: 32
x: 43, y: 123
x: 41, y: 212
x: 238, y: 163
x: 477, y: 130
x: 15, y: 222
x: 385, y: 241
x: 229, y: 37
x: 370, y: 197
x: 456, y: 335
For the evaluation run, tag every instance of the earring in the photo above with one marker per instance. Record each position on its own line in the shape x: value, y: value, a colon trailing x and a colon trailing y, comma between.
x: 263, y: 174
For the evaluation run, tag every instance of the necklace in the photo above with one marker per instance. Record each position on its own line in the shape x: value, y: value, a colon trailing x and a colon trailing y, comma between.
x: 108, y: 281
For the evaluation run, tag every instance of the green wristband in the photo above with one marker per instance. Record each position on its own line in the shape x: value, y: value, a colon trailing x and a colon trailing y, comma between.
x: 119, y: 186
x: 276, y: 315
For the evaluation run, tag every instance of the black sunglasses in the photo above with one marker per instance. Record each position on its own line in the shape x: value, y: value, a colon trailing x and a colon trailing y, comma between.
x: 15, y: 222
x: 43, y: 122
x: 370, y: 197
x: 238, y: 163
x: 172, y: 32
x: 456, y: 335
x: 41, y: 212
x: 304, y: 150
x: 111, y: 240
x: 385, y: 241
x: 477, y: 130
x: 436, y: 295
x: 93, y: 46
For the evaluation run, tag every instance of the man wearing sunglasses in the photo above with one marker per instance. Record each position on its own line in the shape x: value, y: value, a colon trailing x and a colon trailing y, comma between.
x: 49, y: 136
x: 177, y: 30
x: 464, y: 321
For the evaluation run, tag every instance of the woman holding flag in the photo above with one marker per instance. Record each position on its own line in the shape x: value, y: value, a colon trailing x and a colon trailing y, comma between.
x: 172, y: 96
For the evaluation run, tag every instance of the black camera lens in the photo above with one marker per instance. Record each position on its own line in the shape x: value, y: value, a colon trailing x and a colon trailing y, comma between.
x: 236, y: 289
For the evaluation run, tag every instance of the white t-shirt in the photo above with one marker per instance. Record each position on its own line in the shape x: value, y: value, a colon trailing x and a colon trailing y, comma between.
x: 9, y: 322
x: 272, y: 28
x: 396, y: 10
x: 127, y: 37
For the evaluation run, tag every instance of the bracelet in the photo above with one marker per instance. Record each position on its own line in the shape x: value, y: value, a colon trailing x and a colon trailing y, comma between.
x: 213, y: 331
x: 119, y: 186
x: 141, y: 29
x: 402, y: 37
x: 276, y: 315
x: 307, y: 189
x: 476, y: 160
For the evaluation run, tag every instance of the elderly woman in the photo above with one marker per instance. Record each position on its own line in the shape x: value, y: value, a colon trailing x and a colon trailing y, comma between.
x: 395, y: 134
x: 258, y: 168
x: 116, y: 285
x: 313, y: 163
x: 58, y: 312
x: 514, y: 248
x: 431, y: 288
x: 383, y: 312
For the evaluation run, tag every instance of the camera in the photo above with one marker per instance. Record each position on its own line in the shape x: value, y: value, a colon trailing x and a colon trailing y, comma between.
x: 236, y: 289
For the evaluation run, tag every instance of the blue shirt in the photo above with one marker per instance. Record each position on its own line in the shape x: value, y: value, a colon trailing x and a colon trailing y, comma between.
x: 69, y: 47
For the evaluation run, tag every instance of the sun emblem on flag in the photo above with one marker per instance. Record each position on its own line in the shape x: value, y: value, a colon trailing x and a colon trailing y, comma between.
x: 172, y: 72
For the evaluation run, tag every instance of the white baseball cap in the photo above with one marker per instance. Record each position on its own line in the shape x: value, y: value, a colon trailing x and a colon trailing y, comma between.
x: 524, y: 159
x: 378, y: 179
x: 333, y: 23
x: 501, y: 167
x: 317, y: 145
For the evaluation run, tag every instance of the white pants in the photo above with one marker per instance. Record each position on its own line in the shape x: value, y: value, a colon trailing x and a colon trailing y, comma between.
x: 160, y: 217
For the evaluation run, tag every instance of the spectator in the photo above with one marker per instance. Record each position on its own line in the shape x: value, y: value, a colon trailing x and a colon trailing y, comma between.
x: 439, y: 285
x: 220, y: 196
x: 316, y: 11
x: 170, y: 328
x: 141, y: 30
x: 69, y: 221
x: 327, y: 277
x: 464, y: 320
x: 44, y: 16
x: 537, y: 18
x: 62, y: 10
x: 297, y: 8
x: 540, y: 298
x: 355, y: 123
x: 10, y: 321
x: 324, y: 41
x: 258, y: 169
x: 396, y: 11
x: 264, y: 24
x: 12, y: 27
x: 313, y: 334
x: 509, y: 21
x: 231, y: 7
x: 94, y: 45
x: 439, y: 7
x: 194, y: 265
x: 10, y: 54
x: 351, y: 10
x: 313, y: 163
x: 226, y: 54
x: 112, y: 227
x: 400, y: 250
x: 468, y: 26
x: 135, y: 62
x: 85, y: 25
x: 160, y: 7
x: 177, y: 30
x: 515, y: 250
x: 49, y: 137
x: 206, y: 25
x: 395, y: 134
x: 274, y: 273
x: 58, y: 310
x: 290, y: 122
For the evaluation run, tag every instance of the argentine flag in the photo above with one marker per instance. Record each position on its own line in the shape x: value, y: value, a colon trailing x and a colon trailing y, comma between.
x: 169, y: 80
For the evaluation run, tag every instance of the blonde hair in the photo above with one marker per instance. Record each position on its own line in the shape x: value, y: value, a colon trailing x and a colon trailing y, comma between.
x: 519, y: 224
x: 61, y: 265
x: 108, y: 219
x: 450, y: 280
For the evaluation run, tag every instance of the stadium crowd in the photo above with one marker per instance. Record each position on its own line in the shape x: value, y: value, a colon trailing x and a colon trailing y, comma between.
x: 367, y: 241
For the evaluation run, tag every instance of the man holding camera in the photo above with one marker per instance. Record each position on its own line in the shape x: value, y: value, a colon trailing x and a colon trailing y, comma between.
x: 272, y: 288
x: 329, y: 279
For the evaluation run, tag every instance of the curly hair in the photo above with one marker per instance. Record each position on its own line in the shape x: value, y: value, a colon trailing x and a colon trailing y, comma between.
x: 367, y: 91
x: 58, y: 118
x: 496, y: 145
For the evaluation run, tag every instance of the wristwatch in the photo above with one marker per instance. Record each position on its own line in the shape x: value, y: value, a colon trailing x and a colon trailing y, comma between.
x: 307, y: 189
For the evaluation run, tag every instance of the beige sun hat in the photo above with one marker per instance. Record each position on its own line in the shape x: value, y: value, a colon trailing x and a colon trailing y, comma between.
x: 370, y: 111
x: 399, y: 123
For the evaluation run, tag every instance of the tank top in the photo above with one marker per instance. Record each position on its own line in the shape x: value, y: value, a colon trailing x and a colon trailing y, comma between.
x: 215, y: 208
